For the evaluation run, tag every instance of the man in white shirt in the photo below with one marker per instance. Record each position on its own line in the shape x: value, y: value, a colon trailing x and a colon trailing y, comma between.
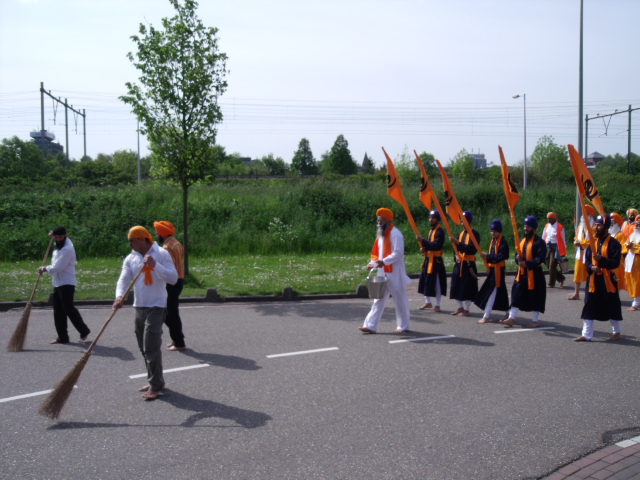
x: 63, y: 272
x: 150, y: 301
x: 555, y: 238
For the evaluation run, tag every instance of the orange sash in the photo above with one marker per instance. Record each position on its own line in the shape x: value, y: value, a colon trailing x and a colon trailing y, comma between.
x: 386, y: 249
x: 465, y: 239
x: 495, y: 245
x: 148, y: 279
x: 431, y: 254
x: 602, y: 250
x: 528, y: 255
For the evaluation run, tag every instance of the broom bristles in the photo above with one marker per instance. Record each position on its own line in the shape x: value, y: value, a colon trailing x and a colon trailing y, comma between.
x: 16, y: 342
x: 54, y: 403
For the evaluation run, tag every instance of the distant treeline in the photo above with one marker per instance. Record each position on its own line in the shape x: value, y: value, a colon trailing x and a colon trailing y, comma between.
x: 268, y: 215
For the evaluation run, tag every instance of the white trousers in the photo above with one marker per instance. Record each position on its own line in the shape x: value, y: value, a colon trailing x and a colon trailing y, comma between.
x: 490, y: 301
x: 513, y: 313
x: 587, y: 328
x: 401, y: 300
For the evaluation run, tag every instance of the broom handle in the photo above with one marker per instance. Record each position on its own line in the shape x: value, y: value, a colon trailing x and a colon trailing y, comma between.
x: 44, y: 263
x: 113, y: 312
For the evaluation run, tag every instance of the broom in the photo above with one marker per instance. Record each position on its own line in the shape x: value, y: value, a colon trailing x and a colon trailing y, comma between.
x: 16, y: 343
x: 54, y: 403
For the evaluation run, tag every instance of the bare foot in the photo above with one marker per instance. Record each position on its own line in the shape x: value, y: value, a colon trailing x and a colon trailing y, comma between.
x: 459, y: 310
x: 425, y: 306
x: 484, y: 320
x: 435, y: 310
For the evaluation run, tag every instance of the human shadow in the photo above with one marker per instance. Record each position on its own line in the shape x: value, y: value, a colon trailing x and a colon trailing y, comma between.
x: 114, y: 352
x: 345, y: 310
x: 225, y: 361
x: 202, y: 409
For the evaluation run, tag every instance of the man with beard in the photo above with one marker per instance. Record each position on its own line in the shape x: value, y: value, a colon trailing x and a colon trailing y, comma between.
x: 601, y: 297
x: 529, y: 292
x: 388, y: 257
x: 433, y: 277
x: 493, y: 293
x: 632, y: 267
x: 629, y: 225
x: 63, y: 271
x: 556, y: 240
x: 165, y: 232
x: 149, y: 301
x: 464, y: 279
x: 615, y: 230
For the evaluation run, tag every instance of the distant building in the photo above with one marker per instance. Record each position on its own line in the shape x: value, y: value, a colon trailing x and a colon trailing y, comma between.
x: 45, y: 140
x: 593, y: 159
x: 479, y: 161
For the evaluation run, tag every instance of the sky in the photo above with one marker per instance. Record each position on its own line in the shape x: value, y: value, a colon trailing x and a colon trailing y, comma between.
x: 434, y: 76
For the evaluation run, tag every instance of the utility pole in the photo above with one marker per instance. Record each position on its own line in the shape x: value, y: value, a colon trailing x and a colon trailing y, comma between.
x: 628, y: 131
x: 66, y: 118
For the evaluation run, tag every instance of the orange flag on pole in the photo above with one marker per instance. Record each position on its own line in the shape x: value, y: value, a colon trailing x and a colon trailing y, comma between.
x: 584, y: 181
x: 511, y: 192
x: 454, y: 210
x: 394, y: 189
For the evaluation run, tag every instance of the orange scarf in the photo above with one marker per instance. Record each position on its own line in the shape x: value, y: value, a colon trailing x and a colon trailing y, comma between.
x: 431, y: 254
x: 527, y: 248
x: 148, y: 279
x: 495, y: 245
x: 465, y: 238
x: 386, y: 249
x: 603, y: 249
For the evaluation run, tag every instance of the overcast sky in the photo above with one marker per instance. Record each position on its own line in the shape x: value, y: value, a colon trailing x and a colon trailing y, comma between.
x: 431, y: 75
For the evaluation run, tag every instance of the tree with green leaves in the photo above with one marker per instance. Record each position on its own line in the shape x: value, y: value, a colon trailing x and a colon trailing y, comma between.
x: 275, y: 166
x: 462, y: 165
x: 550, y: 162
x: 367, y: 165
x: 182, y: 76
x: 303, y: 161
x: 340, y: 160
x: 20, y: 161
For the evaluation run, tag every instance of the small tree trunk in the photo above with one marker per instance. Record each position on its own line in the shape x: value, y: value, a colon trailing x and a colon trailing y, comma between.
x: 185, y: 222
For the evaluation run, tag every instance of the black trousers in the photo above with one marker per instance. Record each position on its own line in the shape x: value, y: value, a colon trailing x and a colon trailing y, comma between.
x: 62, y: 308
x: 172, y: 320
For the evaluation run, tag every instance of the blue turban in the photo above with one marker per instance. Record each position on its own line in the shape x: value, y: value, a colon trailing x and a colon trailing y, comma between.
x: 531, y: 222
x: 496, y: 225
x: 435, y: 214
x: 606, y: 220
x: 468, y: 216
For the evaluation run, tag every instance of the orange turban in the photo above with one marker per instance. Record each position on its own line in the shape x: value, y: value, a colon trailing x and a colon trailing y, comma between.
x: 164, y: 228
x: 617, y: 218
x: 552, y: 215
x: 590, y: 210
x: 385, y: 213
x: 139, y: 232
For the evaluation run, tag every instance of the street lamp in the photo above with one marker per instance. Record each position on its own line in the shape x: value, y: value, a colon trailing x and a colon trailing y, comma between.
x: 524, y: 97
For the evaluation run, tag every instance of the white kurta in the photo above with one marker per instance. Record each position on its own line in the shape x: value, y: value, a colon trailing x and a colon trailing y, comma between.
x: 397, y: 282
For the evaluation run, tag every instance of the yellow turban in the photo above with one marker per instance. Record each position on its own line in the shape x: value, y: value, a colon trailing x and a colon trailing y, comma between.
x: 139, y: 232
x: 164, y: 228
x: 385, y: 213
x: 632, y: 211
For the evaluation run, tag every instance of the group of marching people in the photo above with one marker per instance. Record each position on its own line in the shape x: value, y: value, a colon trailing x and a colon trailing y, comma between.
x: 614, y: 266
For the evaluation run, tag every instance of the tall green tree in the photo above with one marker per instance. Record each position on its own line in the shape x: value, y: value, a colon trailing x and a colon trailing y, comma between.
x: 182, y: 76
x: 367, y: 165
x: 20, y: 161
x: 462, y: 165
x: 275, y: 166
x: 550, y: 162
x: 340, y: 160
x: 303, y: 161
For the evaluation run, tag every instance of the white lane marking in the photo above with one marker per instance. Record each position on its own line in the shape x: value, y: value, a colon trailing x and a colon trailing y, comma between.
x: 28, y: 395
x: 302, y: 352
x: 422, y: 339
x: 174, y: 370
x: 514, y: 330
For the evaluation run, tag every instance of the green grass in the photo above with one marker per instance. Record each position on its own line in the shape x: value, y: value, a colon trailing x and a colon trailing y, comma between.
x: 230, y: 275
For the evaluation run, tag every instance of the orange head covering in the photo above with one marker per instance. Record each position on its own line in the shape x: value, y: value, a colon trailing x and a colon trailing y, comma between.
x: 617, y: 218
x: 552, y: 215
x: 164, y: 228
x: 385, y: 213
x: 139, y: 232
x: 590, y: 210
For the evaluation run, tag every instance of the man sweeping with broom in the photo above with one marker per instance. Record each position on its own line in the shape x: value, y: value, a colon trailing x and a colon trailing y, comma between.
x: 63, y: 272
x: 150, y: 301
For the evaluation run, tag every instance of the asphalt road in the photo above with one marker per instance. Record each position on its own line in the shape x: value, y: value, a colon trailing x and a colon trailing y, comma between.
x: 456, y: 401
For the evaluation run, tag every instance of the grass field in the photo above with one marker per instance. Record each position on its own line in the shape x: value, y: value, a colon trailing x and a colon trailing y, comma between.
x: 230, y: 275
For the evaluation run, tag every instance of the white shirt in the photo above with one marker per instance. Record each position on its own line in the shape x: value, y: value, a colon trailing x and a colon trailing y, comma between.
x: 164, y: 272
x: 398, y: 275
x: 550, y: 233
x: 628, y: 262
x: 63, y: 265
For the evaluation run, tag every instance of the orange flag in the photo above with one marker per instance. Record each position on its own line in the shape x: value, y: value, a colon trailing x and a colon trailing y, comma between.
x: 394, y: 189
x: 512, y: 195
x: 454, y: 210
x: 427, y: 195
x: 584, y: 181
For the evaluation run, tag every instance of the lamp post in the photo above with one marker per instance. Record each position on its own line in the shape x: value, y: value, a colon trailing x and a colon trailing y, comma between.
x: 524, y: 97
